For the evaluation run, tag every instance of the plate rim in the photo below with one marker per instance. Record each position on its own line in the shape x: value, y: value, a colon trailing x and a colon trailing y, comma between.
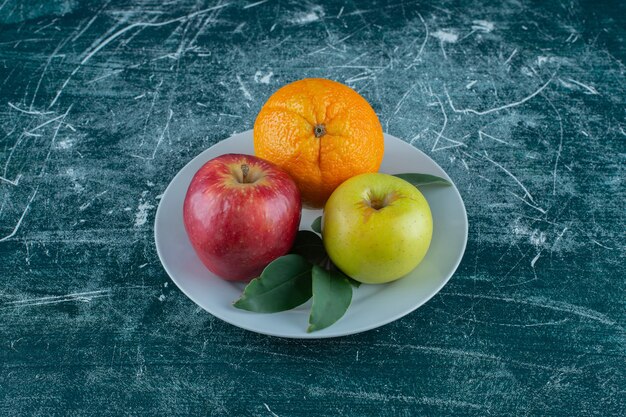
x: 314, y: 335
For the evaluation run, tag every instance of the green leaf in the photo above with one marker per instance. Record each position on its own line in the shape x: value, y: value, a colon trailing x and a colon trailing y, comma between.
x: 284, y: 284
x: 352, y: 281
x: 332, y: 294
x: 317, y: 225
x: 309, y: 245
x: 423, y: 179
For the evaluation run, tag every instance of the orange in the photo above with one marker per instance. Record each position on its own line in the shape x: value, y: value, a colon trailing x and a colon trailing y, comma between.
x: 322, y: 133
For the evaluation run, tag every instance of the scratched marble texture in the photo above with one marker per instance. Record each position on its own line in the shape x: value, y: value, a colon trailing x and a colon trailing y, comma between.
x: 522, y: 103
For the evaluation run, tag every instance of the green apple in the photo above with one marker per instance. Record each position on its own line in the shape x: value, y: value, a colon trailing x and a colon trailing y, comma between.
x: 376, y: 227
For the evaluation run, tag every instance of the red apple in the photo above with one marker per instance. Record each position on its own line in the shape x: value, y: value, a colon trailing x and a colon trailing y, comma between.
x: 241, y: 212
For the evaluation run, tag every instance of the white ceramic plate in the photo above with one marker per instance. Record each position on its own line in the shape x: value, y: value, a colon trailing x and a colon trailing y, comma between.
x: 372, y: 305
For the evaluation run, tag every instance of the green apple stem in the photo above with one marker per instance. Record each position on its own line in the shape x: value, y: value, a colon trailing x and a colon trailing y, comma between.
x: 244, y: 170
x: 377, y: 203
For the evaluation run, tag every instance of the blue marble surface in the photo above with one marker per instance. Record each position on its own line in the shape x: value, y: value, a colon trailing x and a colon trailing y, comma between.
x: 521, y: 102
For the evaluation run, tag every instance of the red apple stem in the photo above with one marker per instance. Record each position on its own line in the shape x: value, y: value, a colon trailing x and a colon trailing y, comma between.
x: 244, y: 170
